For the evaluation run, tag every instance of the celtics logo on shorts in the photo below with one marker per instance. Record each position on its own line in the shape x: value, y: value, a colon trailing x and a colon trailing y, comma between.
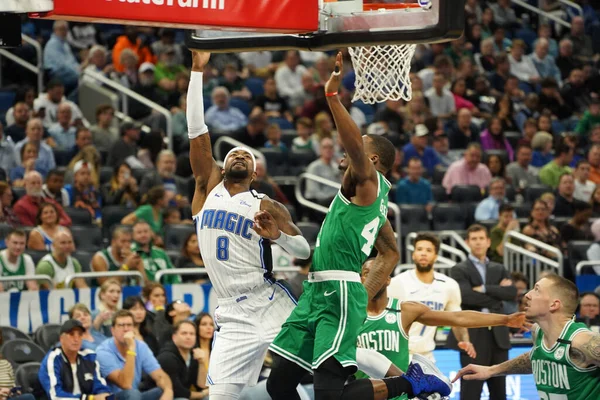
x: 559, y: 353
x: 391, y: 318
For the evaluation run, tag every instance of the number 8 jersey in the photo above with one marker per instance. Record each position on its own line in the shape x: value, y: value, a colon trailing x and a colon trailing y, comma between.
x: 349, y: 231
x: 237, y: 258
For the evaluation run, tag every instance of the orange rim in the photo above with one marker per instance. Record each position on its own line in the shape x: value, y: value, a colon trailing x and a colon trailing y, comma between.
x: 397, y: 6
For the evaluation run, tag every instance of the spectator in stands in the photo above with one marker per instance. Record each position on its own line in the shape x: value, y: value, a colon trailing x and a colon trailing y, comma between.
x: 496, y: 166
x: 205, y: 326
x: 551, y: 173
x: 21, y: 114
x: 528, y: 111
x: 324, y: 128
x: 187, y: 365
x: 46, y: 105
x: 504, y: 15
x: 270, y: 103
x: 104, y: 132
x: 130, y: 62
x: 593, y: 252
x: 589, y: 310
x: 59, y: 59
x: 7, y: 215
x: 130, y: 40
x: 441, y: 101
x: 142, y: 322
x: 155, y: 296
x: 595, y: 202
x: 34, y: 132
x: 67, y: 372
x: 550, y: 200
x: 304, y: 129
x: 154, y: 258
x: 152, y: 212
x: 594, y: 160
x: 191, y: 258
x: 544, y: 62
x: 289, y: 76
x: 442, y: 64
x: 459, y: 91
x: 463, y: 131
x: 418, y: 148
x: 415, y: 112
x: 267, y: 185
x: 565, y: 61
x: 506, y: 223
x: 468, y: 171
x: 176, y: 187
x: 125, y: 149
x: 489, y: 207
x: 493, y: 138
x: 565, y: 202
x: 96, y: 61
x: 391, y: 116
x: 590, y: 118
x: 25, y: 94
x: 14, y: 262
x: 503, y: 109
x: 29, y: 156
x: 147, y: 87
x: 167, y: 69
x: 43, y: 235
x: 582, y: 43
x: 83, y: 193
x: 542, y: 149
x: 501, y: 42
x: 500, y: 75
x: 89, y: 155
x: 167, y: 41
x: 234, y: 83
x: 577, y: 95
x: 274, y: 138
x: 62, y: 131
x: 487, y: 59
x: 539, y: 228
x: 578, y: 227
x: 441, y: 146
x: 326, y: 168
x: 109, y: 296
x: 545, y: 32
x: 414, y: 189
x: 221, y: 115
x: 122, y: 360
x: 175, y: 312
x: 26, y: 209
x: 584, y: 188
x: 529, y: 131
x: 521, y: 65
x: 122, y: 189
x: 552, y: 102
x: 91, y: 338
x: 116, y: 257
x: 521, y: 173
x: 59, y: 263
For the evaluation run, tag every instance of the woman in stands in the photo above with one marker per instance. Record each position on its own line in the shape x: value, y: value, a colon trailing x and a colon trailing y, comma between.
x: 29, y: 154
x: 191, y: 258
x: 542, y: 149
x: 110, y: 294
x: 7, y: 215
x: 142, y: 320
x: 539, y: 228
x: 90, y: 155
x: 8, y: 387
x: 122, y: 190
x: 496, y: 166
x: 91, y: 337
x: 205, y: 326
x: 493, y: 138
x: 151, y: 212
x: 155, y: 296
x: 594, y: 201
x: 42, y: 236
x: 459, y: 91
x: 503, y: 110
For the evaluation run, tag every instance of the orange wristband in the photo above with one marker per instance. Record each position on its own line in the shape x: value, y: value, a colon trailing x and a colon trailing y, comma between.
x: 331, y: 94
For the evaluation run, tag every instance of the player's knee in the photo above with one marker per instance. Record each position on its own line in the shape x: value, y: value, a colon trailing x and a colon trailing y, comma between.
x: 329, y: 380
x: 226, y: 391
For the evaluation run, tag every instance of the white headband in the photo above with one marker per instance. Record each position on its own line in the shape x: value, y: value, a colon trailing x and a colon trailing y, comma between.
x: 247, y: 150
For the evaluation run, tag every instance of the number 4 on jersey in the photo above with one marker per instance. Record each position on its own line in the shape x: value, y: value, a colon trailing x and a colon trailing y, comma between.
x: 369, y: 232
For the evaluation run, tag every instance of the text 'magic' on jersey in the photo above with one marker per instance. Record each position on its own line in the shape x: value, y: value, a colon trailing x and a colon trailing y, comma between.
x: 228, y: 221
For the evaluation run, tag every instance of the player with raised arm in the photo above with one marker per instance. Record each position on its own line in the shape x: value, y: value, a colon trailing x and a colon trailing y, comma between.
x: 565, y: 358
x: 320, y: 334
x: 235, y: 226
x: 435, y: 290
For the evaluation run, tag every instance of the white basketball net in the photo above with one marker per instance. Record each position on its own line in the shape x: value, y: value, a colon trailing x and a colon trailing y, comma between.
x: 382, y: 72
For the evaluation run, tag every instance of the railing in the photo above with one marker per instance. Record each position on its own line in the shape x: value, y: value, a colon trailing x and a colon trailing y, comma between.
x: 37, y: 69
x: 455, y: 255
x: 572, y: 5
x: 195, y: 271
x: 104, y: 274
x: 21, y: 278
x: 529, y: 263
x: 542, y: 12
x: 219, y: 156
x: 438, y: 267
x: 124, y: 91
x: 582, y: 264
x: 317, y: 207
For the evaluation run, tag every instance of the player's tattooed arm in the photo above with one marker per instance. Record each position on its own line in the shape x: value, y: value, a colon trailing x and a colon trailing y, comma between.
x: 585, y: 349
x: 517, y: 366
x: 281, y: 215
x: 385, y: 262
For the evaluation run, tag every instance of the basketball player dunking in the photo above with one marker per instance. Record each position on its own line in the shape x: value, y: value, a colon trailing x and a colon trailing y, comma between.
x: 235, y: 226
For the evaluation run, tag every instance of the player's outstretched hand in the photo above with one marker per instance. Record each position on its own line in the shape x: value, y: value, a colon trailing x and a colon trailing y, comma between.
x: 266, y: 226
x: 517, y: 320
x: 333, y: 84
x: 473, y: 372
x: 199, y: 60
x: 468, y: 348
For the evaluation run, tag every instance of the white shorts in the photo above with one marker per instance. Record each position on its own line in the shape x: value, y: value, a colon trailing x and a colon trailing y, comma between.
x: 246, y: 326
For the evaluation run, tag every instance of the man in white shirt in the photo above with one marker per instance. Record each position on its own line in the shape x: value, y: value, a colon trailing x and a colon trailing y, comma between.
x: 521, y: 66
x: 435, y: 290
x: 441, y: 101
x: 584, y: 188
x: 289, y: 75
x: 13, y: 262
x: 327, y: 168
x: 46, y: 105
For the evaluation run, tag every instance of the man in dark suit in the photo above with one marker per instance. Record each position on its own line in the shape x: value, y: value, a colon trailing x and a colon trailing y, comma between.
x: 484, y: 285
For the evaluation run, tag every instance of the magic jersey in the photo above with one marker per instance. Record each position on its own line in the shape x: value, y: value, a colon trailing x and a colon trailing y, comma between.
x: 443, y: 294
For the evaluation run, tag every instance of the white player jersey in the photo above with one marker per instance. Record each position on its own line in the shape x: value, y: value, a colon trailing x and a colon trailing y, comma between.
x: 441, y: 295
x: 237, y: 258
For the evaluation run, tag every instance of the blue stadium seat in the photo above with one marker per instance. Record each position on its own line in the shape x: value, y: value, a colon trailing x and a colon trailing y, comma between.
x: 7, y: 99
x: 255, y: 86
x: 87, y: 237
x: 439, y: 193
x: 276, y: 161
x: 465, y: 194
x: 21, y: 351
x: 112, y: 215
x: 79, y: 216
x: 449, y: 217
x: 240, y: 104
x: 282, y: 122
x: 47, y: 335
x: 10, y: 333
x: 26, y: 376
x: 533, y: 192
x: 175, y: 235
x: 414, y: 218
x: 576, y: 252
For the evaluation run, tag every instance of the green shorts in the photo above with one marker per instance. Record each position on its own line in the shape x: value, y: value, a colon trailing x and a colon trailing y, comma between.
x: 325, y: 323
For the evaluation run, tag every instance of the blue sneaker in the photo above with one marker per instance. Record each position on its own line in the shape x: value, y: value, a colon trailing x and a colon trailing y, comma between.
x: 425, y: 378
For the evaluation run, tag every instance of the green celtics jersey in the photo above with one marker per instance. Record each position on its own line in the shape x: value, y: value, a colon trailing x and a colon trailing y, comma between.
x: 110, y: 260
x: 556, y: 376
x: 155, y: 261
x: 349, y: 231
x: 384, y: 334
x: 6, y: 271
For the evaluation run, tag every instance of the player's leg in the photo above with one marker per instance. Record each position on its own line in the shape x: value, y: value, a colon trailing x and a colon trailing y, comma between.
x: 284, y: 378
x: 226, y: 391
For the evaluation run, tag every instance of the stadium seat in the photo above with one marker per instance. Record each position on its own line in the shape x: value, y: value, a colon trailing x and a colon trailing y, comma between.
x: 438, y: 175
x: 62, y: 157
x: 449, y: 217
x: 85, y: 258
x: 21, y: 351
x: 175, y: 235
x: 139, y: 173
x: 255, y: 86
x: 513, y: 138
x: 577, y: 252
x: 299, y: 160
x: 106, y: 174
x: 10, y: 333
x: 488, y: 223
x: 522, y: 210
x: 288, y: 136
x: 79, y: 216
x: 310, y: 231
x: 533, y: 192
x: 496, y: 152
x: 26, y: 376
x: 414, y: 218
x: 5, y: 230
x: 173, y: 255
x: 18, y: 192
x: 510, y: 193
x: 439, y: 193
x: 276, y: 161
x: 558, y: 222
x: 282, y: 122
x: 87, y: 237
x: 7, y: 100
x: 36, y: 255
x: 112, y: 215
x: 466, y: 194
x: 241, y: 105
x: 47, y: 336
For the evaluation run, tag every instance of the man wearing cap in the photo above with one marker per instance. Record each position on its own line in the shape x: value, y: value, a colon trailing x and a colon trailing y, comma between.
x: 69, y: 372
x: 147, y: 87
x: 82, y: 193
x: 125, y: 149
x: 418, y: 148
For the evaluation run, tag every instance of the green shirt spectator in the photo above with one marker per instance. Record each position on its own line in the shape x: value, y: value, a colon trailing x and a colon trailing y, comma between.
x: 588, y: 121
x: 154, y: 260
x: 551, y: 172
x: 152, y: 212
x: 506, y: 223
